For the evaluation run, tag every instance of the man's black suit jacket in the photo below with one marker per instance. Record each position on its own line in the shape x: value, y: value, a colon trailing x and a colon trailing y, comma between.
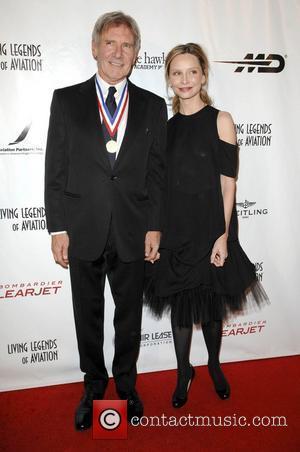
x: 83, y: 194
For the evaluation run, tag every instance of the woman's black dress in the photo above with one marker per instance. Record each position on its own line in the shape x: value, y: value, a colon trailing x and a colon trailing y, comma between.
x: 183, y: 279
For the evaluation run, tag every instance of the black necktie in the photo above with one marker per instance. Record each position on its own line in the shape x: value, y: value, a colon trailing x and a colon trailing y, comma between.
x: 112, y: 106
x: 111, y: 101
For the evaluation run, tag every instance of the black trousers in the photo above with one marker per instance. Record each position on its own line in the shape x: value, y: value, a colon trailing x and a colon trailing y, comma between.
x: 126, y: 283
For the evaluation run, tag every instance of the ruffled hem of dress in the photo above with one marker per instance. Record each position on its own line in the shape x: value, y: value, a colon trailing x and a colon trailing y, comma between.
x: 202, y: 304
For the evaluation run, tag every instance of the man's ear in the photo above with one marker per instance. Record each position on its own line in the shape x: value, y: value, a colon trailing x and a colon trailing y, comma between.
x: 94, y: 49
x: 135, y: 58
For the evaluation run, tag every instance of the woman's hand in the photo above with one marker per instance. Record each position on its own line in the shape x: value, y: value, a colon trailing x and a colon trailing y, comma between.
x: 219, y: 252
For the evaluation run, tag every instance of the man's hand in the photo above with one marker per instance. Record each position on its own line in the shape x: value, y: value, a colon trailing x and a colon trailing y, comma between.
x: 152, y: 241
x: 59, y: 247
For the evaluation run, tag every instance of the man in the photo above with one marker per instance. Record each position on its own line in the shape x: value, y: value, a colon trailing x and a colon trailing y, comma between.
x: 103, y: 195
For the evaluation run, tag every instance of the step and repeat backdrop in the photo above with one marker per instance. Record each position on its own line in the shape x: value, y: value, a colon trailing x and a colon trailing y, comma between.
x: 253, y: 50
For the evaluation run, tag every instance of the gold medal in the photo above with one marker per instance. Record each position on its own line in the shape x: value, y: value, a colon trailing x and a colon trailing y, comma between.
x: 111, y: 146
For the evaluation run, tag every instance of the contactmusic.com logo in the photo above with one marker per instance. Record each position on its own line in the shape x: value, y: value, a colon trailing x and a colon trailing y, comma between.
x: 110, y: 419
x: 271, y: 63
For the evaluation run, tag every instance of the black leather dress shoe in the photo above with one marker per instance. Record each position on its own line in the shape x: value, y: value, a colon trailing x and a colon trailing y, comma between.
x: 84, y: 411
x: 135, y: 408
x: 180, y: 395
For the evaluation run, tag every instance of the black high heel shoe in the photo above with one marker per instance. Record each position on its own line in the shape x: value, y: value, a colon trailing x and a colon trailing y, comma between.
x: 223, y: 392
x: 179, y: 401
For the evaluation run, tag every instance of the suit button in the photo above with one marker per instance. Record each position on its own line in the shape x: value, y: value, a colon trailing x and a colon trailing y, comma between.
x: 114, y: 178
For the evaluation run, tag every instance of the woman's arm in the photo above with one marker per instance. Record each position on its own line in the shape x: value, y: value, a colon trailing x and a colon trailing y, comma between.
x: 226, y: 131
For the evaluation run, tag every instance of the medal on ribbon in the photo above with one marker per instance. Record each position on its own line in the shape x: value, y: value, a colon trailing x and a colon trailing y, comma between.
x: 112, y: 122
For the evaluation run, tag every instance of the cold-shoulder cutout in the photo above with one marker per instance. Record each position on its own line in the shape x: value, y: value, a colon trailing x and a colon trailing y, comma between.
x: 225, y: 127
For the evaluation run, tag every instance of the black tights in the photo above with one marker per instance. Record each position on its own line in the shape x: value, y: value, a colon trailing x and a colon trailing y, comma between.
x: 182, y: 341
x: 212, y: 332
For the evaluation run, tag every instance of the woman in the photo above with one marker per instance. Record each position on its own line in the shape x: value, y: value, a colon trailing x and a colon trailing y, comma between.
x: 203, y: 274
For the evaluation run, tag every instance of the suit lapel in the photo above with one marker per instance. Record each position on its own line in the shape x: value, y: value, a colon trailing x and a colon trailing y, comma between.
x: 135, y: 117
x: 89, y: 103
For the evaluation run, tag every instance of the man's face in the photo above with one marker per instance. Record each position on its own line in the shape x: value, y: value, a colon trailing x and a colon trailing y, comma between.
x: 115, y: 53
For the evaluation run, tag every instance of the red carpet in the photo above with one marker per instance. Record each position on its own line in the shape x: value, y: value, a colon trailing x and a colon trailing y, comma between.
x: 42, y: 419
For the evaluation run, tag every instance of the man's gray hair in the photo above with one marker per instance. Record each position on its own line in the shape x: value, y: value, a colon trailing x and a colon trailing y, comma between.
x: 117, y: 18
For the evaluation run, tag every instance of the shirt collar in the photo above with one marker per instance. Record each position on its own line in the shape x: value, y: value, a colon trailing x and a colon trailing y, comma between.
x: 104, y: 86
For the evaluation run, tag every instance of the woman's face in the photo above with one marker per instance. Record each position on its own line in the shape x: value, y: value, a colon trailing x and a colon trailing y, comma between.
x: 186, y: 76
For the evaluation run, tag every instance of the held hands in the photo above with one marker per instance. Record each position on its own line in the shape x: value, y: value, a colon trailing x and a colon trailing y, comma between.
x: 59, y: 247
x: 152, y: 241
x: 219, y: 252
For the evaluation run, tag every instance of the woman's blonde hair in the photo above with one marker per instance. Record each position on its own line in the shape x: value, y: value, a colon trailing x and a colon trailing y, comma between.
x: 198, y: 52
